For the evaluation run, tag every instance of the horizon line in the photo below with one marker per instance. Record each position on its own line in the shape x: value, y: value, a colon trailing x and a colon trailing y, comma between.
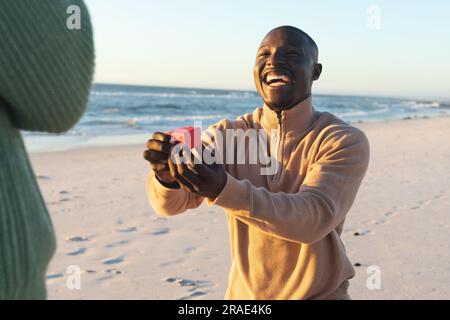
x: 446, y: 98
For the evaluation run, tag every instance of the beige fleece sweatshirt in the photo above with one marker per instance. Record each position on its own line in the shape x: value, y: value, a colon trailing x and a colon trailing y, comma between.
x: 285, y: 228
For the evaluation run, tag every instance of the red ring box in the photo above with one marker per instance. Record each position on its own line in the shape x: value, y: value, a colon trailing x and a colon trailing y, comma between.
x: 190, y: 136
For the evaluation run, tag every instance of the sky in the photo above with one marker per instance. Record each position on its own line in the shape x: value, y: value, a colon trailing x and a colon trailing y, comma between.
x: 390, y: 48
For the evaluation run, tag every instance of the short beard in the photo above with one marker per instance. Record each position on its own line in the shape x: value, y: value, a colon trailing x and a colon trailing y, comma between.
x: 287, y: 106
x: 279, y: 107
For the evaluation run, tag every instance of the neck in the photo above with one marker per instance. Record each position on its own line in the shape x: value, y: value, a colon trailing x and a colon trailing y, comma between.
x: 295, y: 119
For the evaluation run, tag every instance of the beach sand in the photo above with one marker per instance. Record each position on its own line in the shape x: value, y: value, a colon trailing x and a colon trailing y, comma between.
x: 399, y: 223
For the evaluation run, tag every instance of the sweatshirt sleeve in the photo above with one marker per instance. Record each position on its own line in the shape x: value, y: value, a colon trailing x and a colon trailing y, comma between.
x: 169, y: 202
x: 324, y: 198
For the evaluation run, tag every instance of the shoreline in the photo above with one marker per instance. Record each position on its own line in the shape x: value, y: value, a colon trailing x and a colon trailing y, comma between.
x: 359, y: 124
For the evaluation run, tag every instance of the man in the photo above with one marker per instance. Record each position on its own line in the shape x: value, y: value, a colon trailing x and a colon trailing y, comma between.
x: 285, y: 228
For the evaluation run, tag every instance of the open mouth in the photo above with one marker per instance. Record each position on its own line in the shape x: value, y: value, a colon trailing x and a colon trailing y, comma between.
x: 277, y: 79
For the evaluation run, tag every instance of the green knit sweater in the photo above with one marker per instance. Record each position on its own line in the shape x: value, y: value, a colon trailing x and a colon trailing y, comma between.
x: 45, y: 77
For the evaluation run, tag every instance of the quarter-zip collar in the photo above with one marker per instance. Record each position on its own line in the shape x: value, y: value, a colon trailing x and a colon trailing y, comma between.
x: 296, y: 119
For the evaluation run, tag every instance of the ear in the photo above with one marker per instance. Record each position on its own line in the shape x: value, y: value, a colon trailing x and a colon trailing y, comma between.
x: 317, y: 71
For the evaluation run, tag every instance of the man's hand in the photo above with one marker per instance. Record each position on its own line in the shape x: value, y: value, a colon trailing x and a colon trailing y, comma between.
x: 158, y: 153
x: 204, y: 180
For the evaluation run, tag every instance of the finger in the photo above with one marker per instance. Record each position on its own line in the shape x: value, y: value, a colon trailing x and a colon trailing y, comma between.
x: 194, y: 157
x: 157, y: 145
x: 204, y: 171
x: 155, y: 156
x: 177, y: 176
x: 197, y: 153
x: 159, y: 167
x: 161, y: 136
x: 189, y: 176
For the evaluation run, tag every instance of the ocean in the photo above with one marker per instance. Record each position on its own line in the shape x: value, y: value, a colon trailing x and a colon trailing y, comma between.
x: 118, y: 114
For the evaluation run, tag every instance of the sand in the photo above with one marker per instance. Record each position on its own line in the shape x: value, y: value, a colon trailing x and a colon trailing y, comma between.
x: 399, y: 223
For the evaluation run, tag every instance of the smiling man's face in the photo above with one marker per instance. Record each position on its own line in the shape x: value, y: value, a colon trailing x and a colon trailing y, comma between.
x: 285, y: 68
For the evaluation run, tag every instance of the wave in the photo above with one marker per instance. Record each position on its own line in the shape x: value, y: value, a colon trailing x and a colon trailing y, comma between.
x: 196, y: 95
x: 111, y: 110
x: 135, y: 121
x: 353, y: 114
x: 417, y: 104
x: 181, y: 118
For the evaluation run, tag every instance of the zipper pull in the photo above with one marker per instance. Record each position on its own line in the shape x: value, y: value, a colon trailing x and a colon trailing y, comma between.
x: 280, y: 118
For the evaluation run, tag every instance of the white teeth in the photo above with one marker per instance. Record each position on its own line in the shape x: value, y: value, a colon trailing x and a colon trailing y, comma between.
x: 271, y: 77
x: 277, y: 84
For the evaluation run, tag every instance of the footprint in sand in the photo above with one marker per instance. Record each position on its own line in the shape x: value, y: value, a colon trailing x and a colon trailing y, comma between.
x: 113, y: 261
x: 391, y: 214
x: 188, y: 283
x: 117, y: 244
x: 110, y: 273
x: 183, y: 282
x: 420, y: 205
x: 43, y: 177
x: 159, y: 232
x: 170, y: 279
x: 159, y: 219
x: 114, y: 271
x: 90, y: 271
x: 64, y: 196
x: 194, y: 294
x: 54, y: 276
x: 76, y: 252
x: 362, y: 232
x: 377, y: 221
x: 128, y: 229
x: 77, y: 239
x: 192, y: 286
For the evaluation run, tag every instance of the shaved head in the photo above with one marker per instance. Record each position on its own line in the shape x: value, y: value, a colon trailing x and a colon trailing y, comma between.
x: 314, y: 50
